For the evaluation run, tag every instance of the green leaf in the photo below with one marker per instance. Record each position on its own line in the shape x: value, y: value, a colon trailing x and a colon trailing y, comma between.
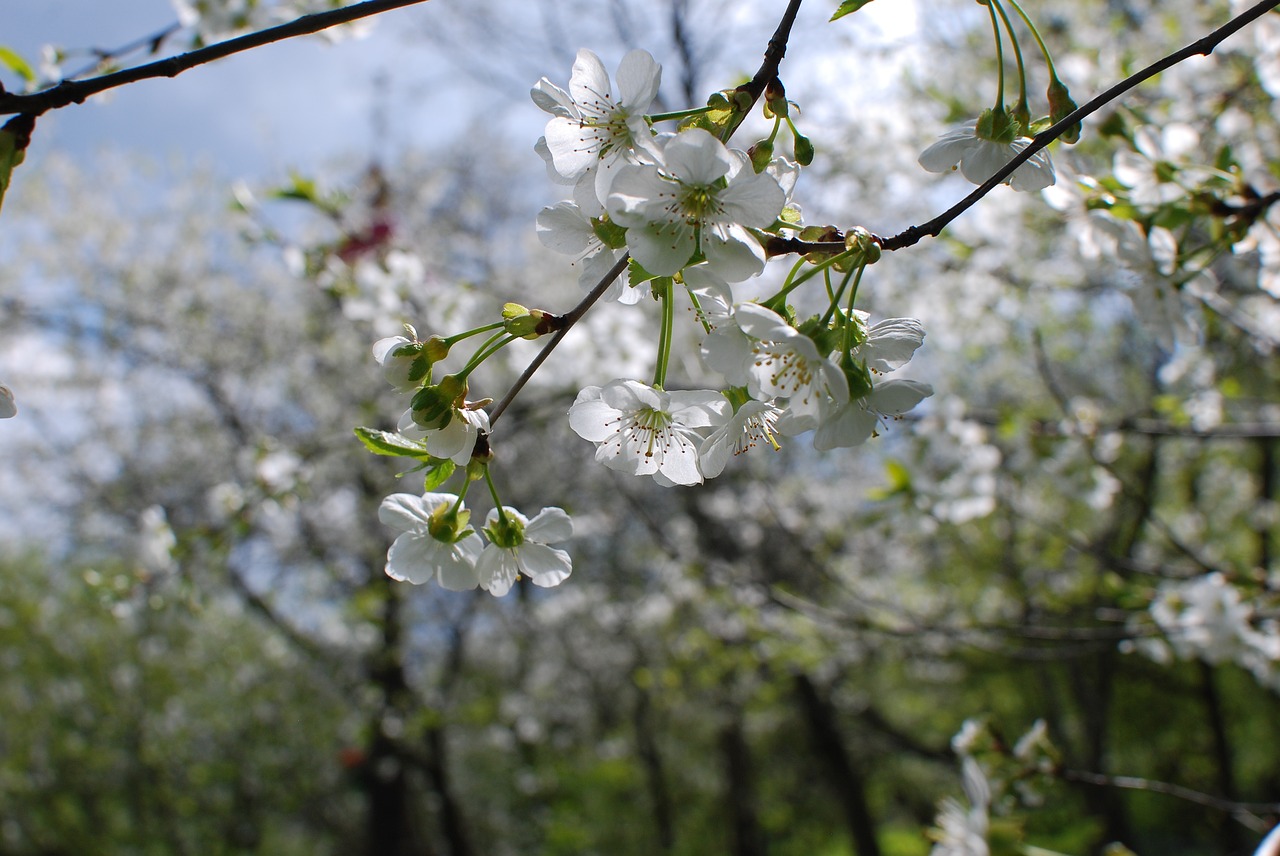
x: 17, y: 64
x: 391, y: 444
x: 848, y: 7
x: 14, y: 138
x: 438, y: 475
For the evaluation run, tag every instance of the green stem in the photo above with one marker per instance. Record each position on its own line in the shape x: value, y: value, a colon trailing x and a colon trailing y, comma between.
x: 493, y: 492
x: 697, y: 308
x: 849, y: 327
x: 1026, y: 19
x: 492, y: 345
x: 458, y: 337
x: 1017, y: 55
x: 664, y: 342
x: 677, y: 114
x: 779, y: 301
x: 995, y: 26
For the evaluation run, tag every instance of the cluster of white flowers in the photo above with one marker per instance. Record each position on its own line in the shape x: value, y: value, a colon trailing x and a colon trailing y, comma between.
x: 686, y: 206
x: 1208, y: 618
x: 436, y: 542
x: 961, y: 830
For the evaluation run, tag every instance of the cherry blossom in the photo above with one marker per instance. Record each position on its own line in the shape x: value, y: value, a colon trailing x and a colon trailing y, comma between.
x: 703, y: 197
x: 434, y: 541
x: 520, y: 547
x: 591, y: 129
x: 785, y: 363
x: 752, y: 424
x: 646, y: 431
x: 853, y: 422
x: 979, y: 158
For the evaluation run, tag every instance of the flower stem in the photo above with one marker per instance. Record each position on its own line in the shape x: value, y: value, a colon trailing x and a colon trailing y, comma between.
x: 995, y: 26
x: 677, y: 114
x: 664, y: 337
x: 493, y: 492
x: 1026, y: 19
x: 1017, y: 56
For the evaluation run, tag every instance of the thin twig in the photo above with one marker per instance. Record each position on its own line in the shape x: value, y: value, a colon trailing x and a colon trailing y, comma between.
x: 76, y: 91
x: 1245, y: 813
x: 1204, y: 47
x: 568, y: 320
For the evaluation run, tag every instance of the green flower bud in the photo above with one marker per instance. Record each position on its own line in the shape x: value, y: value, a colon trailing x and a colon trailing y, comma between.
x: 775, y: 100
x: 1060, y: 107
x: 528, y: 323
x: 804, y: 150
x: 433, y: 405
x: 863, y: 244
x: 761, y: 153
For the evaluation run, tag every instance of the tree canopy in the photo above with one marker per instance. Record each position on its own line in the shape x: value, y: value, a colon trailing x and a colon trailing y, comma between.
x: 882, y: 463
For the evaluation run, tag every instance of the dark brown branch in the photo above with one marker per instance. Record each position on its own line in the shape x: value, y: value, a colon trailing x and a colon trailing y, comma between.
x: 76, y: 91
x: 1203, y: 47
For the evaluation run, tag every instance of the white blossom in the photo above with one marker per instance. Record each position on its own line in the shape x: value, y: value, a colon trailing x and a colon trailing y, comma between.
x: 456, y: 440
x: 702, y: 197
x: 854, y: 421
x: 978, y: 159
x: 501, y: 564
x: 963, y: 831
x: 418, y: 554
x: 591, y: 131
x: 785, y: 363
x: 641, y: 430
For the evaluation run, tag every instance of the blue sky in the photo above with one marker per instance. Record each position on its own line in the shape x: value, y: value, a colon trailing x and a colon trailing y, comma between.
x: 301, y: 103
x: 291, y: 104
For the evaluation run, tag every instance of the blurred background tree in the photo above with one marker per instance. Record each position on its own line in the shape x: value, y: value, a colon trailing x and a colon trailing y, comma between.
x: 204, y: 655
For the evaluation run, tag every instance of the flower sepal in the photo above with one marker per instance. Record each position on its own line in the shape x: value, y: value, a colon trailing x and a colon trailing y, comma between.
x: 998, y: 126
x: 506, y: 531
x: 433, y: 406
x: 448, y: 524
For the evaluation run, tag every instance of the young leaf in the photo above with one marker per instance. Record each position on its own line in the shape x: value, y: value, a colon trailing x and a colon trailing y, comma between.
x: 391, y: 444
x: 14, y: 138
x: 848, y: 7
x: 17, y: 64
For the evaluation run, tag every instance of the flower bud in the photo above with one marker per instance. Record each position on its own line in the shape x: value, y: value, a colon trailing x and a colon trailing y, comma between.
x: 775, y: 100
x: 433, y: 405
x: 761, y: 154
x: 863, y: 244
x: 804, y: 149
x: 1060, y: 107
x: 528, y: 323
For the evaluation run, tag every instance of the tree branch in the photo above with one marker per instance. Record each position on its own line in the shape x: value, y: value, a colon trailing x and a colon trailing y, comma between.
x: 1204, y: 47
x: 1245, y: 813
x: 76, y: 91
